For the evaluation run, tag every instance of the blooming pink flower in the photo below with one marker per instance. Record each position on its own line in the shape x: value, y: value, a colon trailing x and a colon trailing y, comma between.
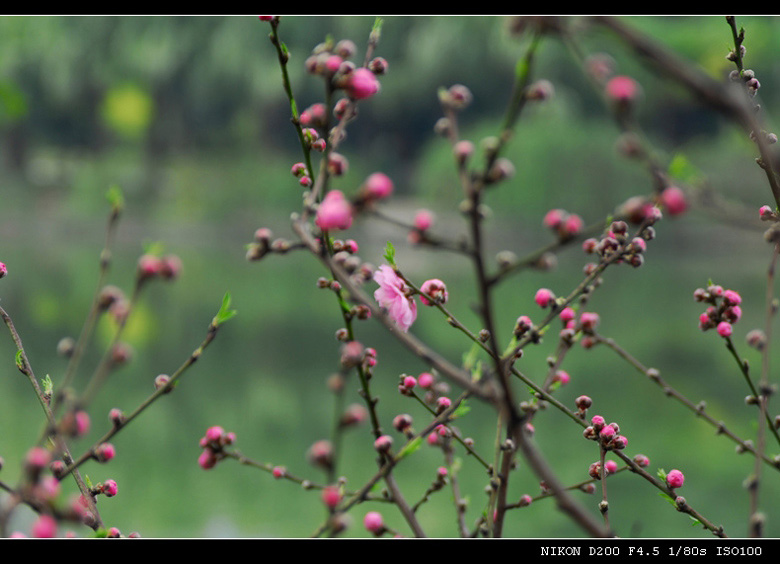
x: 391, y: 295
x: 378, y: 185
x: 436, y: 289
x: 361, y: 84
x: 335, y: 212
x: 675, y: 479
x: 673, y: 200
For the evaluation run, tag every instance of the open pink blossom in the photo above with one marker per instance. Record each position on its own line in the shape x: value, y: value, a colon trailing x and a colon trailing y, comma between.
x: 335, y: 212
x: 391, y: 295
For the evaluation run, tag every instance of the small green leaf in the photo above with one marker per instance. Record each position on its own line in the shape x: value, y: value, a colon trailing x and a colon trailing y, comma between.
x: 115, y: 198
x: 20, y: 360
x: 48, y: 386
x: 224, y: 312
x: 462, y: 409
x: 390, y: 254
x: 155, y: 248
x: 410, y: 447
x: 668, y: 498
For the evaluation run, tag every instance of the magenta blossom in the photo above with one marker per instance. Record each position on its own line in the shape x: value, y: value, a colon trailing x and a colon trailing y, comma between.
x: 391, y: 295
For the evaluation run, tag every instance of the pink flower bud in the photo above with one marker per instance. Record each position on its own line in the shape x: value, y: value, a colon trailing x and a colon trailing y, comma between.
x: 724, y: 329
x: 463, y: 150
x: 105, y: 452
x: 45, y: 527
x: 279, y: 472
x: 402, y: 422
x: 572, y: 225
x: 622, y: 89
x: 675, y: 479
x: 554, y: 218
x: 3, y: 269
x: 610, y: 466
x: 544, y: 297
x: 562, y: 376
x: 425, y: 380
x: 335, y: 212
x: 436, y: 289
x: 37, y: 458
x: 377, y: 186
x: 331, y: 496
x: 149, y: 266
x: 383, y: 443
x: 443, y: 403
x: 589, y: 320
x: 607, y: 432
x: 362, y: 84
x: 409, y: 382
x: 732, y: 298
x: 423, y: 220
x: 109, y: 488
x: 207, y: 459
x: 373, y: 522
x: 673, y: 200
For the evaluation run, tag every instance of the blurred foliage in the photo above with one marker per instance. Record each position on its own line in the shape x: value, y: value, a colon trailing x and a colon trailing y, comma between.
x: 188, y: 116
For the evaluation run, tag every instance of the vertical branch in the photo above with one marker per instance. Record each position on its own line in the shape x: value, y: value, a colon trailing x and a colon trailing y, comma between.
x: 756, y: 520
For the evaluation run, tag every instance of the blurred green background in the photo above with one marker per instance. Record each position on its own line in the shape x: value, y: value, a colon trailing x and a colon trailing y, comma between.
x: 187, y: 115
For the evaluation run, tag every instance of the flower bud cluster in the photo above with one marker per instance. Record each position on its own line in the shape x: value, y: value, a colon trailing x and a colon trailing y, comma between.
x: 607, y: 434
x: 333, y: 62
x: 213, y: 444
x: 151, y: 266
x: 723, y: 310
x: 618, y: 241
x: 594, y: 470
x: 564, y: 224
